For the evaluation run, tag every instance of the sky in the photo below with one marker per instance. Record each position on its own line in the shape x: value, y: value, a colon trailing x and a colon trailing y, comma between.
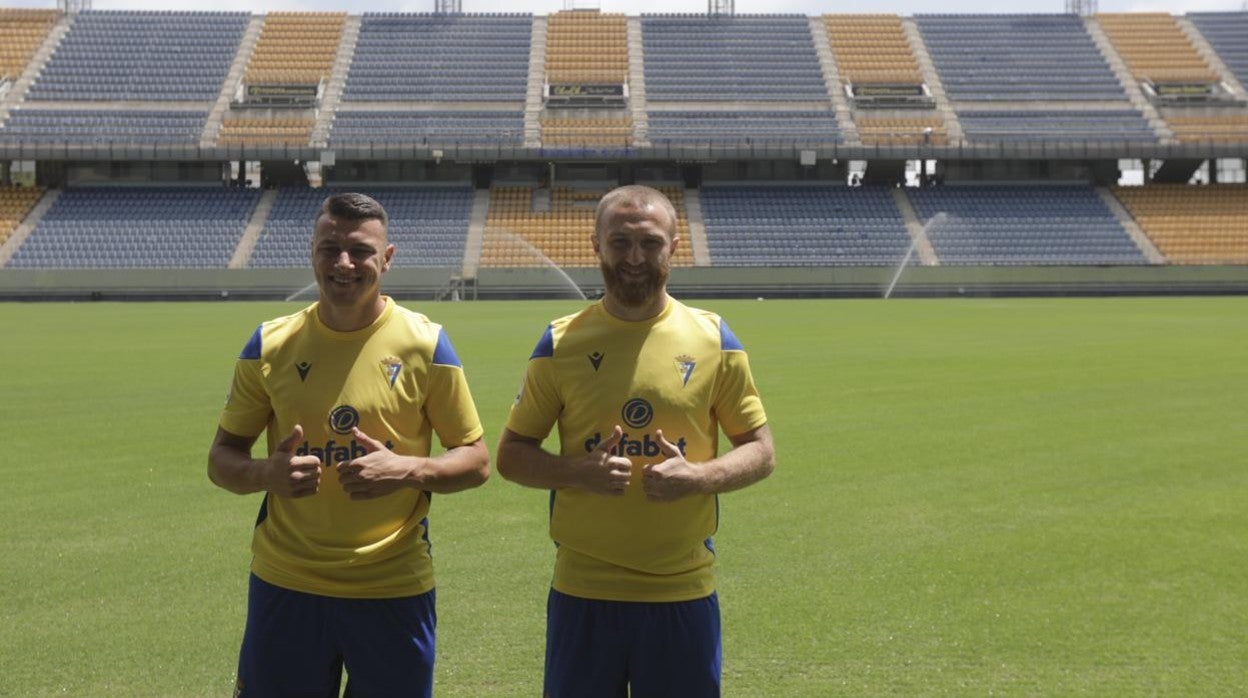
x: 634, y: 7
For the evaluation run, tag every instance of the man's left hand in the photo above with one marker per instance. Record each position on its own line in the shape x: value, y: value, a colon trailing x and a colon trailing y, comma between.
x: 375, y: 474
x: 671, y: 479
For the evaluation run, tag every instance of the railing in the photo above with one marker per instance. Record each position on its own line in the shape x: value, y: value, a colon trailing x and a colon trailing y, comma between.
x: 744, y: 149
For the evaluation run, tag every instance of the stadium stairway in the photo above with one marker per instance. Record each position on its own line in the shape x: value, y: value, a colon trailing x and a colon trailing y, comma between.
x: 1151, y: 253
x: 255, y: 226
x: 537, y: 79
x: 212, y: 126
x: 953, y: 128
x: 637, y: 83
x: 476, y: 233
x: 17, y: 93
x: 1129, y: 84
x: 1205, y: 51
x: 697, y: 228
x: 337, y: 81
x: 914, y: 226
x: 832, y: 78
x: 9, y: 248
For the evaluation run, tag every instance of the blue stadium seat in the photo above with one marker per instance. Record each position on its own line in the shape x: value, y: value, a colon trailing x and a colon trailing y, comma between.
x: 740, y: 128
x: 135, y: 56
x: 91, y: 127
x: 1227, y: 33
x: 428, y: 57
x: 139, y: 227
x: 1024, y: 224
x: 763, y: 58
x: 427, y: 128
x: 1017, y: 58
x: 802, y: 225
x: 1092, y: 125
x: 428, y: 225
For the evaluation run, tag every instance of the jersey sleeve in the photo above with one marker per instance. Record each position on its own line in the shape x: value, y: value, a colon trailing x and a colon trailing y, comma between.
x: 248, y: 408
x: 450, y: 408
x: 538, y: 405
x: 737, y: 404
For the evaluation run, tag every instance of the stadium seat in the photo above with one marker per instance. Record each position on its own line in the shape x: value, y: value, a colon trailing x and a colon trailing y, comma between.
x: 1017, y: 58
x: 757, y: 58
x: 419, y: 127
x: 1227, y: 33
x: 1023, y: 224
x: 428, y: 225
x: 1155, y: 48
x: 24, y: 30
x: 440, y: 58
x: 139, y: 227
x: 518, y: 236
x: 295, y: 48
x: 802, y: 225
x: 110, y: 55
x: 1192, y: 224
x: 586, y: 47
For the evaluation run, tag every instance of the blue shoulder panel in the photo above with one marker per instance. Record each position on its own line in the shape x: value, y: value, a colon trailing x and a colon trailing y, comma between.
x: 444, y: 354
x: 727, y: 340
x: 252, y: 350
x: 545, y: 346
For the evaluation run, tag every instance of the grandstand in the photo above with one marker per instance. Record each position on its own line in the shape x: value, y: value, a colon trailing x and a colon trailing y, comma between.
x: 440, y: 58
x: 1192, y: 225
x: 141, y: 56
x: 806, y: 155
x: 523, y: 231
x: 24, y: 30
x: 138, y: 228
x: 428, y: 226
x: 819, y: 226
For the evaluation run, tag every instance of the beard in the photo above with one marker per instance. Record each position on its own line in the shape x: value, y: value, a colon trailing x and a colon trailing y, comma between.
x: 636, y: 292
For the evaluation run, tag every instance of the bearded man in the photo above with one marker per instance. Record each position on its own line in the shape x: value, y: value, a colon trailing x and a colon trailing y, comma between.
x: 639, y: 385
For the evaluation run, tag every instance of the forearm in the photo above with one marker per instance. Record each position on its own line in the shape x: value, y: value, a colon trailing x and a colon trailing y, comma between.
x: 460, y: 468
x: 750, y: 460
x: 234, y: 470
x: 528, y: 464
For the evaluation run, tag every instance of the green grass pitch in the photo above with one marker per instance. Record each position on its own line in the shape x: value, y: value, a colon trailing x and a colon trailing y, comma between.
x: 1035, y: 497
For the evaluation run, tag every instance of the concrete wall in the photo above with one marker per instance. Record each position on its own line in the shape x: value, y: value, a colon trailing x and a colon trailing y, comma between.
x: 26, y: 284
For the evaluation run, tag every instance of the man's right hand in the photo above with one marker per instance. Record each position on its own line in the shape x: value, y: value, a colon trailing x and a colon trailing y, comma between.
x: 603, y: 473
x: 288, y: 475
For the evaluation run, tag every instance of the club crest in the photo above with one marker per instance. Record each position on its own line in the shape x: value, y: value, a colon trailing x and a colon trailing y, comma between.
x: 684, y: 366
x: 392, y: 367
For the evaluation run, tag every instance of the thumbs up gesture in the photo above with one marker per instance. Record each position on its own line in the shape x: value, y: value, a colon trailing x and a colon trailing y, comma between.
x: 289, y: 475
x: 375, y: 474
x: 670, y: 479
x: 603, y: 473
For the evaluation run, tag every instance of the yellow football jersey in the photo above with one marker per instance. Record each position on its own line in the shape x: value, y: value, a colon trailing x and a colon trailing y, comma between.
x: 683, y: 372
x: 398, y: 380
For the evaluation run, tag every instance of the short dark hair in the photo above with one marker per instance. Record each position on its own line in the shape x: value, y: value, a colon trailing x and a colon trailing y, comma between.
x: 353, y: 207
x: 638, y: 196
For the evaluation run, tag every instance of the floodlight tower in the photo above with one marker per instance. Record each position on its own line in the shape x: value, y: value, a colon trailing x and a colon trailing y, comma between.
x: 73, y: 5
x: 720, y: 8
x: 448, y: 7
x: 1083, y: 8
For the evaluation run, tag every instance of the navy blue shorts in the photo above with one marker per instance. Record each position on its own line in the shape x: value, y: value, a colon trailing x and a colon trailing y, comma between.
x: 604, y: 648
x: 297, y: 644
